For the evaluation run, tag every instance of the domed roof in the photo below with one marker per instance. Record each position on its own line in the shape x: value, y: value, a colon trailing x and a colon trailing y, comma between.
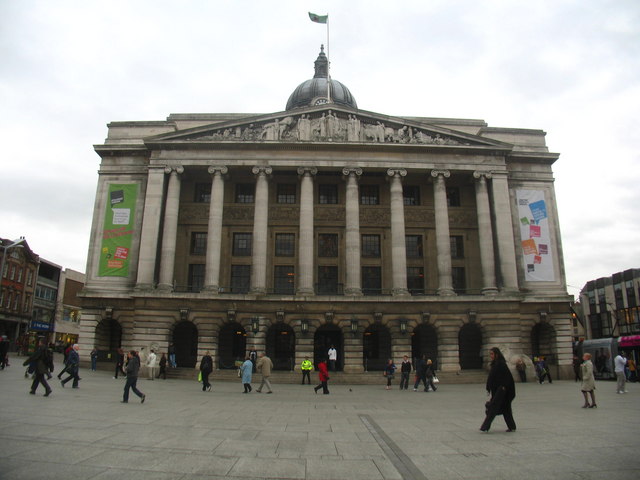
x: 314, y: 91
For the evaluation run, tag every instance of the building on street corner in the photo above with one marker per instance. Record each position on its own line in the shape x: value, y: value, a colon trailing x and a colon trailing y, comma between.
x: 325, y: 224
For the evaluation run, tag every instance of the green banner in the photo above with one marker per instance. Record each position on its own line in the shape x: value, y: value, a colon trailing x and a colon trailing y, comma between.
x: 118, y: 230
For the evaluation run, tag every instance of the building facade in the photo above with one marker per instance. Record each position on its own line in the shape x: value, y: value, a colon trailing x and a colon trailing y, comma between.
x: 68, y: 314
x: 45, y: 300
x: 326, y: 225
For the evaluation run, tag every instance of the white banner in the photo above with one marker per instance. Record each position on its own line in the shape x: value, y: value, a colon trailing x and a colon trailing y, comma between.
x: 534, y: 235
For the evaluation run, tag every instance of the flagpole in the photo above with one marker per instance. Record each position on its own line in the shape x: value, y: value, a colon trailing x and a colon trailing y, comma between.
x: 328, y: 65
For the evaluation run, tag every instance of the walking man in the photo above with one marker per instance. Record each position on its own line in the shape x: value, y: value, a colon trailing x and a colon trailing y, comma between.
x: 620, y: 363
x: 43, y: 360
x: 151, y: 365
x: 333, y: 358
x: 73, y: 366
x: 133, y: 367
x: 264, y: 366
x: 306, y: 367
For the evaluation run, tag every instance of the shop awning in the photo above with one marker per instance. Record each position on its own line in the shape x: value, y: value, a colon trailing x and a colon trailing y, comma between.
x: 630, y: 341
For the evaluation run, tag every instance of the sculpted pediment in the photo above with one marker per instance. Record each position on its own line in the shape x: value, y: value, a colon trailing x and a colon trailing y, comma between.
x: 324, y: 124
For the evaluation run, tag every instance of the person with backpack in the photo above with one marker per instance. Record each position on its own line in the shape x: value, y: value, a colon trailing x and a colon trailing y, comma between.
x: 43, y: 361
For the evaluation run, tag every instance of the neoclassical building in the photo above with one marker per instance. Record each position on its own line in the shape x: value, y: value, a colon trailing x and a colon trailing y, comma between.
x: 322, y: 225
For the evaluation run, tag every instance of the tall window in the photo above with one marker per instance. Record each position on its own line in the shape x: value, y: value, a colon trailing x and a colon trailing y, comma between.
x: 631, y: 293
x: 369, y: 195
x: 411, y: 195
x: 414, y: 246
x: 415, y: 280
x: 196, y: 277
x: 457, y: 246
x: 286, y: 193
x: 245, y: 192
x: 458, y: 279
x: 371, y: 280
x: 202, y: 193
x: 327, y: 194
x: 242, y: 244
x: 453, y: 197
x: 198, y: 243
x: 371, y: 246
x: 283, y: 279
x: 328, y: 245
x: 240, y: 278
x: 29, y: 277
x: 285, y: 244
x: 327, y: 280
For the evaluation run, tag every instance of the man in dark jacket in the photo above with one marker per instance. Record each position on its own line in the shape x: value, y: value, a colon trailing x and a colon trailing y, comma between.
x: 43, y: 360
x: 73, y: 366
x: 421, y: 373
x: 133, y: 367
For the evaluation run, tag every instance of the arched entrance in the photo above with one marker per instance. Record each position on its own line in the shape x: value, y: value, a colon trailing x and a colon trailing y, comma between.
x: 185, y: 341
x: 281, y: 346
x: 543, y: 342
x: 232, y: 345
x: 424, y: 341
x: 470, y: 347
x: 376, y: 349
x: 108, y: 338
x: 324, y: 337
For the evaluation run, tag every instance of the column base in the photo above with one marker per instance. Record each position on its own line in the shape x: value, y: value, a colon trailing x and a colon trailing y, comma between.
x: 213, y: 289
x: 446, y: 292
x: 490, y: 291
x: 305, y: 292
x: 165, y: 287
x: 258, y: 291
x: 400, y: 292
x: 143, y: 287
x: 353, y: 292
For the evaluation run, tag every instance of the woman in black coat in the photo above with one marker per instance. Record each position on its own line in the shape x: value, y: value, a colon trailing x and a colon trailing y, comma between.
x: 502, y: 388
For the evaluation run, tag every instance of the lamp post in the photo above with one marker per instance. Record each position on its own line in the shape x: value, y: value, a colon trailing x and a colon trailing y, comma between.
x: 14, y: 244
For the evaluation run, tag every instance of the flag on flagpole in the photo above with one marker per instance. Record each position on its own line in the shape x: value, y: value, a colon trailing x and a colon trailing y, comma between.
x: 318, y: 18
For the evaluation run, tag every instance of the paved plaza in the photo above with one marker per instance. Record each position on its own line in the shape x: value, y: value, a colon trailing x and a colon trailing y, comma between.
x: 359, y: 432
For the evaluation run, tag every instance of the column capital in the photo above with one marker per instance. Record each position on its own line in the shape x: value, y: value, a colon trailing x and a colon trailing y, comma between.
x: 346, y: 171
x: 179, y: 169
x: 302, y: 171
x: 217, y: 169
x: 437, y: 173
x: 394, y: 172
x: 480, y: 173
x: 260, y: 170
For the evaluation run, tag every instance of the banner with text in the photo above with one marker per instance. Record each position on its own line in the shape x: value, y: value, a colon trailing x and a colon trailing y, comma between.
x: 118, y: 230
x: 534, y: 235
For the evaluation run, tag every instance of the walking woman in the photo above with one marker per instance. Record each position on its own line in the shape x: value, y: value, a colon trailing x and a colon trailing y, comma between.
x: 588, y: 384
x: 502, y: 388
x: 206, y: 367
x: 246, y: 372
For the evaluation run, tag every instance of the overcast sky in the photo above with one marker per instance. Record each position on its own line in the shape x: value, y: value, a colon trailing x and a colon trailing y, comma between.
x: 570, y: 68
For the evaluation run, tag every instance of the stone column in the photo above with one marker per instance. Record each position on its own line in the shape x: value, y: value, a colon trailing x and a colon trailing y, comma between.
x: 170, y: 230
x: 150, y: 228
x: 352, y: 232
x: 398, y: 242
x: 260, y: 231
x: 485, y: 234
x: 443, y: 240
x: 214, y: 231
x: 504, y: 231
x: 305, y: 239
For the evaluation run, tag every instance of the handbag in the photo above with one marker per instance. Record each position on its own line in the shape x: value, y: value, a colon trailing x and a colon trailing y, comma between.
x: 436, y: 379
x: 200, y: 376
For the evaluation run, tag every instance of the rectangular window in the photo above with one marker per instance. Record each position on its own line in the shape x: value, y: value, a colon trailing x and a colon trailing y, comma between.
x: 29, y: 277
x: 12, y: 275
x: 328, y: 245
x: 453, y: 197
x: 327, y: 194
x: 198, y: 243
x: 327, y: 280
x: 631, y: 294
x: 457, y: 246
x: 8, y: 304
x: 286, y: 193
x: 245, y: 193
x: 415, y: 280
x: 371, y: 246
x: 196, y: 277
x: 240, y: 278
x: 202, y: 193
x: 285, y: 244
x: 411, y: 195
x: 27, y: 303
x: 414, y: 246
x: 19, y: 279
x: 458, y: 279
x: 369, y: 195
x: 16, y: 302
x: 283, y: 279
x: 371, y: 280
x: 242, y: 244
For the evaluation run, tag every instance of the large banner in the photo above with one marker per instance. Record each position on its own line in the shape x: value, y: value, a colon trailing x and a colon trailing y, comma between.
x: 534, y: 235
x: 118, y: 230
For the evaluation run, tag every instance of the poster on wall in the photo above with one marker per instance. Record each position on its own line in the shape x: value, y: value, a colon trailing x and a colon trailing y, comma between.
x: 118, y: 230
x: 534, y: 236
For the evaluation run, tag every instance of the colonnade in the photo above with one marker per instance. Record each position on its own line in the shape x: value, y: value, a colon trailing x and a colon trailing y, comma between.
x: 499, y: 202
